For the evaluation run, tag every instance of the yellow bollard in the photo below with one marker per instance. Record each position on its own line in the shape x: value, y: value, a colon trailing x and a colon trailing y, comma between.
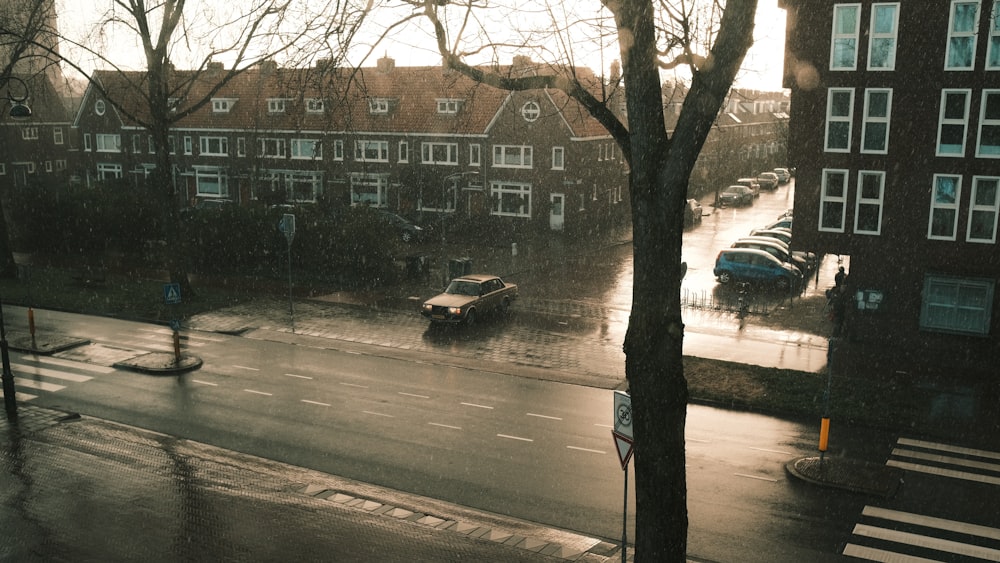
x: 31, y: 321
x: 824, y: 433
x: 177, y: 347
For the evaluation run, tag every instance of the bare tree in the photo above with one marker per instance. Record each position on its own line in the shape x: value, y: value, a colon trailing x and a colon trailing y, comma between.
x: 710, y: 38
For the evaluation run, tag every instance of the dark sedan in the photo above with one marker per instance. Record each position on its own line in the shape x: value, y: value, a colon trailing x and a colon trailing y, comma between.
x: 736, y: 196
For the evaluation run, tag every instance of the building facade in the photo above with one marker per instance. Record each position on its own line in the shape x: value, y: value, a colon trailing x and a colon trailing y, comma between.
x: 416, y: 140
x: 895, y: 135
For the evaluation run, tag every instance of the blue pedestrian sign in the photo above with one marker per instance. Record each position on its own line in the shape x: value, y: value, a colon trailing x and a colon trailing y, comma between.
x: 171, y: 293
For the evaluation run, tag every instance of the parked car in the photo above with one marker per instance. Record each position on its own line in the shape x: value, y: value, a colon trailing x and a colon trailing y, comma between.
x: 783, y: 175
x: 785, y: 237
x: 775, y: 248
x: 767, y: 180
x: 406, y: 229
x: 692, y: 213
x: 748, y: 264
x: 737, y: 196
x: 213, y: 203
x: 469, y: 297
x: 780, y: 223
x: 750, y: 183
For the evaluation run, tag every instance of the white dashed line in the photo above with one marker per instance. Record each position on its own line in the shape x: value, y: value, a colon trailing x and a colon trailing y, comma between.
x: 254, y: 391
x: 445, y: 425
x: 757, y: 477
x: 543, y: 416
x: 477, y: 406
x: 245, y: 367
x: 579, y: 449
x: 378, y: 414
x: 765, y: 450
x: 315, y: 403
x: 604, y: 425
x: 204, y: 382
x: 414, y: 395
x: 514, y: 438
x: 298, y: 376
x: 354, y: 385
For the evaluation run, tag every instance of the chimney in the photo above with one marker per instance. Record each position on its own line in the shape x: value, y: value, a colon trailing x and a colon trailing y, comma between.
x: 386, y: 64
x: 215, y: 67
x: 267, y: 67
x: 616, y: 70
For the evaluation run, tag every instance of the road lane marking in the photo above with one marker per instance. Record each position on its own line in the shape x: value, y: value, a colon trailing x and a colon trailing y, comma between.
x: 948, y: 448
x: 937, y: 544
x: 757, y: 477
x: 932, y: 522
x: 604, y: 425
x: 71, y: 364
x: 22, y: 396
x: 769, y: 451
x: 26, y: 370
x: 579, y: 449
x: 254, y: 391
x: 873, y: 554
x: 298, y: 376
x: 509, y: 437
x: 924, y: 456
x: 445, y: 425
x: 39, y: 385
x: 237, y: 366
x: 414, y: 395
x: 379, y: 414
x: 944, y: 472
x: 477, y: 406
x: 698, y: 440
x: 354, y: 385
x: 543, y: 416
x: 315, y: 403
x: 204, y: 382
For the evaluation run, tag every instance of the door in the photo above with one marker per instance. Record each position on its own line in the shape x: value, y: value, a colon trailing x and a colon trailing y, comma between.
x: 557, y: 211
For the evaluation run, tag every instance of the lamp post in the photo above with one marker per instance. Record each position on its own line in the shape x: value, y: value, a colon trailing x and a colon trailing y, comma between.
x: 19, y: 110
x: 444, y: 207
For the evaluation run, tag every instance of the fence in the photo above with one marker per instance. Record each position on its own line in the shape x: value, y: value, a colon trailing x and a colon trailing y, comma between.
x: 759, y: 302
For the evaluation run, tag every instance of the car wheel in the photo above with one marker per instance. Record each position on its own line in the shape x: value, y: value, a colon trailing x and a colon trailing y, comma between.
x: 470, y: 317
x: 725, y: 277
x: 504, y: 307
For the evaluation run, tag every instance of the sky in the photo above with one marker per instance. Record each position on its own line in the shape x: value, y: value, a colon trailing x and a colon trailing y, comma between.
x: 761, y: 70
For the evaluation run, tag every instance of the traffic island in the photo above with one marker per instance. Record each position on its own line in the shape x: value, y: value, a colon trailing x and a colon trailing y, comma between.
x: 160, y: 363
x: 847, y: 474
x: 44, y: 344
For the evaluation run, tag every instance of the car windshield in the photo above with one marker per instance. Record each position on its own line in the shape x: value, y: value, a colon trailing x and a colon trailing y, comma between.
x: 460, y: 287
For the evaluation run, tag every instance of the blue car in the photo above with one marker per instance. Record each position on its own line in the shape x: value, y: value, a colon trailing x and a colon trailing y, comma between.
x: 748, y: 264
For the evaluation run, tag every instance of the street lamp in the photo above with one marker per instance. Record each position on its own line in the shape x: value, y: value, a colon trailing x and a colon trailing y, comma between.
x: 444, y: 190
x: 19, y: 110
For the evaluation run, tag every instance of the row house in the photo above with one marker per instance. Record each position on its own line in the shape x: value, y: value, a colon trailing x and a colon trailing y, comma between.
x: 895, y: 134
x: 36, y: 150
x: 412, y: 139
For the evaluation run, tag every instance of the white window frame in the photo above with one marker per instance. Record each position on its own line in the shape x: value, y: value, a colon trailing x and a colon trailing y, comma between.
x: 403, y: 151
x: 60, y: 164
x: 956, y: 305
x: 944, y: 208
x: 558, y: 158
x: 48, y: 166
x: 136, y: 143
x: 100, y: 107
x: 378, y: 106
x: 449, y: 106
x: 945, y: 121
x: 367, y: 150
x: 108, y: 142
x: 829, y: 200
x: 834, y: 120
x: 377, y: 194
x: 984, y: 208
x: 276, y: 105
x: 29, y: 133
x: 874, y: 37
x: 430, y: 153
x: 306, y: 149
x: 223, y: 105
x: 188, y: 145
x: 989, y: 124
x: 212, y: 145
x: 109, y: 170
x: 57, y: 135
x: 475, y: 154
x: 271, y: 147
x: 871, y: 121
x: 211, y: 172
x: 315, y: 105
x: 312, y: 180
x: 338, y: 149
x: 86, y: 141
x: 3, y: 169
x: 513, y: 156
x: 531, y: 111
x: 867, y: 201
x: 993, y: 52
x: 965, y: 35
x: 503, y: 193
x: 837, y: 39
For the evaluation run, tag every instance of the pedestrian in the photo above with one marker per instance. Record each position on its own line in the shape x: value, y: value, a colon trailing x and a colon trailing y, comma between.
x: 840, y: 280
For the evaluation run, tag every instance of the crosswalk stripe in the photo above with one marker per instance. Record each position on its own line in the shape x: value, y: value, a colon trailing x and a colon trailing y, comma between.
x: 942, y: 472
x: 21, y: 397
x: 932, y: 522
x: 872, y: 554
x: 950, y: 460
x: 948, y: 448
x: 38, y: 385
x: 28, y: 370
x: 918, y: 540
x: 71, y: 364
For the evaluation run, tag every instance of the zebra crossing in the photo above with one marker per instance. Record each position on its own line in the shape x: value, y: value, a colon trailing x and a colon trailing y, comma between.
x: 45, y: 374
x: 882, y: 534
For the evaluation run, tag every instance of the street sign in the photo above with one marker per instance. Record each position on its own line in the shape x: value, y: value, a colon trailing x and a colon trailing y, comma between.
x: 623, y: 427
x: 287, y: 226
x: 171, y: 293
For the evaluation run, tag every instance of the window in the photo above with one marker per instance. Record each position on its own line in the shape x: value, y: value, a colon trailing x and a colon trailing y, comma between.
x: 108, y: 143
x: 961, y: 305
x: 449, y: 106
x: 29, y: 133
x: 211, y: 181
x: 530, y: 111
x: 214, y: 146
x: 241, y: 146
x: 475, y: 155
x: 48, y: 166
x: 338, y: 150
x: 371, y: 151
x: 404, y: 151
x: 944, y: 207
x: 152, y: 145
x: 136, y: 144
x: 99, y: 107
x: 86, y: 141
x: 511, y: 199
x: 558, y: 158
x: 988, y: 145
x: 57, y: 135
x: 60, y: 165
x: 983, y: 210
x: 833, y: 201
x: 276, y: 105
x: 953, y: 122
x: 222, y: 105
x: 188, y: 146
x: 3, y: 169
x: 307, y: 149
x: 868, y: 214
x: 882, y: 39
x: 439, y: 153
x: 303, y: 187
x: 108, y: 171
x: 993, y: 53
x: 511, y: 156
x: 314, y: 105
x: 271, y: 148
x: 875, y: 128
x: 378, y: 105
x: 370, y: 189
x: 839, y: 113
x: 961, y: 51
x: 844, y: 43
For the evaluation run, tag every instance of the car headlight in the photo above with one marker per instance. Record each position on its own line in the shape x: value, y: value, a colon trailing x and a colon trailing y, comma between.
x: 455, y: 310
x: 428, y: 306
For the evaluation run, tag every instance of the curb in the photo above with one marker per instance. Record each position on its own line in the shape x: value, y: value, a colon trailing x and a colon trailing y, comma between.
x: 847, y: 474
x: 160, y: 363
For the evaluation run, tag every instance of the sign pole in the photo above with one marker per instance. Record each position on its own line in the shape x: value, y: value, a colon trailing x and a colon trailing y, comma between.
x: 287, y: 226
x: 625, y: 518
x: 624, y: 441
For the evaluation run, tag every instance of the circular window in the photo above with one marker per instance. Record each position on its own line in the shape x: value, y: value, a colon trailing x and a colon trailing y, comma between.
x: 99, y: 107
x: 530, y: 111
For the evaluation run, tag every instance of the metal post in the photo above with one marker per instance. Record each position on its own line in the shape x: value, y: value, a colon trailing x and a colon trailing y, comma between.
x: 824, y: 438
x: 291, y: 307
x: 625, y: 518
x: 9, y: 400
